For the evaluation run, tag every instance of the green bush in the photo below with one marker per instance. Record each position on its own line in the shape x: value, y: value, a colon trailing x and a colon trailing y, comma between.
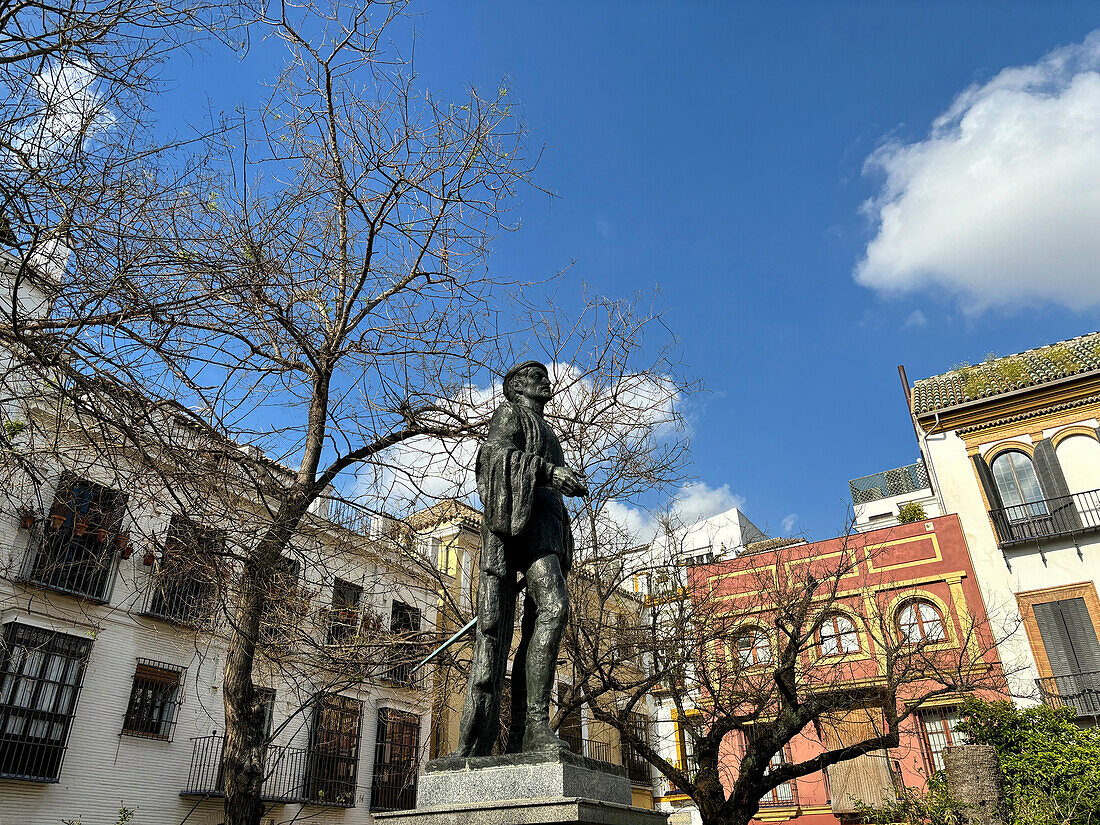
x: 911, y: 511
x: 1051, y: 766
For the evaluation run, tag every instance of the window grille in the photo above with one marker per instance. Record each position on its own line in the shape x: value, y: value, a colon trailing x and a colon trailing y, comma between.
x: 404, y: 621
x: 637, y: 768
x: 781, y: 795
x: 75, y: 551
x: 396, y: 761
x: 187, y: 576
x: 154, y: 700
x: 334, y: 750
x: 344, y: 619
x: 41, y: 672
x: 937, y: 727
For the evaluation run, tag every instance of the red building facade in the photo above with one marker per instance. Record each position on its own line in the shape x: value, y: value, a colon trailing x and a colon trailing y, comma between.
x: 907, y: 587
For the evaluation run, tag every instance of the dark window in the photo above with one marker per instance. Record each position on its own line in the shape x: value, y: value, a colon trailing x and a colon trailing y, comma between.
x: 344, y: 618
x: 334, y: 751
x: 40, y: 677
x: 637, y: 768
x: 920, y: 621
x: 780, y: 795
x: 937, y: 728
x: 187, y: 576
x: 154, y: 700
x: 570, y: 728
x: 1018, y: 485
x: 396, y: 757
x: 283, y: 605
x: 404, y: 624
x: 75, y: 552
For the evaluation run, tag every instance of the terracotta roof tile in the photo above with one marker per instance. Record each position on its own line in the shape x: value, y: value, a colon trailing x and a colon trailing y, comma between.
x: 1012, y: 372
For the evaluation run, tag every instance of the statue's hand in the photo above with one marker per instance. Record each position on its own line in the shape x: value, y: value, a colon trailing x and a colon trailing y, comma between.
x: 569, y: 482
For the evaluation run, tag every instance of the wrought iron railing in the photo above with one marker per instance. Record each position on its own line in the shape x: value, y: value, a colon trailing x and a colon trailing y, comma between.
x: 895, y: 482
x: 595, y: 749
x: 1047, y: 518
x: 182, y: 601
x: 291, y: 775
x: 1080, y: 691
x: 78, y: 563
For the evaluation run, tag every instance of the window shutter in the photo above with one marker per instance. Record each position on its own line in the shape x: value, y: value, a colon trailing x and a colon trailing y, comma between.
x: 1053, y: 483
x: 1068, y: 636
x: 993, y: 496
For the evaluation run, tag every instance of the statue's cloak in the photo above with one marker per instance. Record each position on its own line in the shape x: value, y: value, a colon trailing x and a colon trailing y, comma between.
x: 523, y: 517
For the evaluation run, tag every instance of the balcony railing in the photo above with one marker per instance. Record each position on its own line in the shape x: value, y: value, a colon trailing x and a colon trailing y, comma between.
x: 1080, y: 691
x: 291, y: 775
x: 1047, y: 518
x: 79, y: 564
x: 888, y: 483
x: 637, y: 769
x: 189, y: 603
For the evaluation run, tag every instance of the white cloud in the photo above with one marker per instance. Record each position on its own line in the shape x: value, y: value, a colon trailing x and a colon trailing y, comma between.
x: 916, y: 319
x: 68, y: 112
x: 997, y: 205
x: 788, y: 523
x: 690, y: 504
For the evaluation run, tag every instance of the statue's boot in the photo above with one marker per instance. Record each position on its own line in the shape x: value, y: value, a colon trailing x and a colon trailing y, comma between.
x: 538, y: 738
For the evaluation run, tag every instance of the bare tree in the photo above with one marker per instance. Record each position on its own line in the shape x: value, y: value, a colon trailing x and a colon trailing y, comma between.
x: 736, y: 648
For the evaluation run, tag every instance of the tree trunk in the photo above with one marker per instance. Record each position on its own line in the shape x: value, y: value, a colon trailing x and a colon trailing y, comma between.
x: 244, y: 725
x: 244, y: 746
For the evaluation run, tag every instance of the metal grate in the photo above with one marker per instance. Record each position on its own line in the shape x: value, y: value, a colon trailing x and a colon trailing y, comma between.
x: 155, y: 698
x: 896, y: 482
x: 1047, y: 518
x: 41, y: 672
x: 186, y: 583
x: 1080, y: 691
x: 74, y: 552
x: 396, y: 761
x: 334, y: 756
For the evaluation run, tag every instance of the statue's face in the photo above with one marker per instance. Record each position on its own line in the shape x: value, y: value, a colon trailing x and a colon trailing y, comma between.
x: 537, y: 384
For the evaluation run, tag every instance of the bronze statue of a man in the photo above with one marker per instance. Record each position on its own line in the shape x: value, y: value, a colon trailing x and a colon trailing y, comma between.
x: 521, y: 478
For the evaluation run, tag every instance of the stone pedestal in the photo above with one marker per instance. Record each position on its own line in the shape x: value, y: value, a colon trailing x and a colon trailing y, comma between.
x: 523, y: 789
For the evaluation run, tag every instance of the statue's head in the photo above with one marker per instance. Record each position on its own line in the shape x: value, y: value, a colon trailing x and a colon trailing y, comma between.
x: 529, y: 379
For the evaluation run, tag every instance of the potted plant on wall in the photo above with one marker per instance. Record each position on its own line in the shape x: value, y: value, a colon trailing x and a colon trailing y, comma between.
x: 56, y: 520
x: 27, y: 517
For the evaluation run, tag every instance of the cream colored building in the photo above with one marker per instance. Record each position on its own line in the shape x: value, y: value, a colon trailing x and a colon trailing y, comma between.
x: 1012, y: 445
x: 111, y: 657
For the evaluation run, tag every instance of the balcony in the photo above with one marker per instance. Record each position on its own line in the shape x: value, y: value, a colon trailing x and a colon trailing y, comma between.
x: 637, y: 769
x: 1080, y: 691
x: 291, y: 775
x: 1047, y: 518
x: 889, y: 483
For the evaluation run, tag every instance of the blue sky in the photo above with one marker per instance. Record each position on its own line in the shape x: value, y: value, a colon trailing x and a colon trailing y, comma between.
x: 719, y: 152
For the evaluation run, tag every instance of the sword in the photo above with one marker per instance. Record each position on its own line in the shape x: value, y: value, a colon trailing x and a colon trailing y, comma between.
x: 462, y: 631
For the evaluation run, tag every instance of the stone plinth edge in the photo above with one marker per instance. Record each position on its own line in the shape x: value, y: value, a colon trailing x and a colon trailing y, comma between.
x: 481, y: 780
x: 560, y: 811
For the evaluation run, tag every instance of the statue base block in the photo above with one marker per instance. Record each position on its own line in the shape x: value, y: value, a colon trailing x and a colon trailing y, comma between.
x: 523, y: 789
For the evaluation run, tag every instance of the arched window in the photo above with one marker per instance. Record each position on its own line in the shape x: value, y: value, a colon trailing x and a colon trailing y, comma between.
x: 1018, y: 485
x: 753, y: 648
x: 838, y: 635
x: 920, y: 621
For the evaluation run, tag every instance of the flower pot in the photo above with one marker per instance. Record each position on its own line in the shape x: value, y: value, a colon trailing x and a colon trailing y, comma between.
x: 149, y: 558
x: 122, y: 541
x: 56, y: 521
x: 27, y: 518
x: 127, y: 552
x: 81, y: 527
x: 101, y: 535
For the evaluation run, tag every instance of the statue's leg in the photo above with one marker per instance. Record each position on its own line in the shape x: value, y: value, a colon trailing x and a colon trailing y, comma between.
x: 546, y: 587
x: 496, y: 608
x: 518, y: 722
